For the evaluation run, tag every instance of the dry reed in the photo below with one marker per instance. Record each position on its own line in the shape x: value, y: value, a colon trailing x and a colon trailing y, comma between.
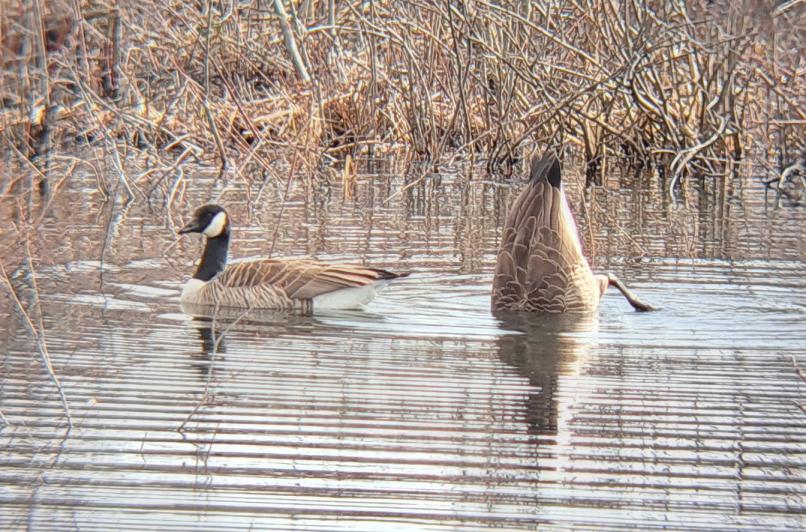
x: 687, y: 84
x: 142, y: 89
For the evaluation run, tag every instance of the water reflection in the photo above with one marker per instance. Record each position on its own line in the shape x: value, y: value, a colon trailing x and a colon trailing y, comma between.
x: 215, y: 324
x: 430, y: 413
x: 213, y: 344
x: 549, y: 351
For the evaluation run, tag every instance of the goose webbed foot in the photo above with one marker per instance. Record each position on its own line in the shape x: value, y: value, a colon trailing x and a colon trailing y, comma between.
x: 636, y: 303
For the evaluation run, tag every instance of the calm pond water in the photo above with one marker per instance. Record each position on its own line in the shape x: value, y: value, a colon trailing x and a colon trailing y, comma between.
x: 424, y: 412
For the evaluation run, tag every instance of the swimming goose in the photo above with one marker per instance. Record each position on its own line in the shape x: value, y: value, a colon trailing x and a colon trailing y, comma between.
x: 540, y: 265
x: 280, y: 284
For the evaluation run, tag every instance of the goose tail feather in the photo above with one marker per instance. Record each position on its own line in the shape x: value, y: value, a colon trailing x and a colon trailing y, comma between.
x: 546, y: 169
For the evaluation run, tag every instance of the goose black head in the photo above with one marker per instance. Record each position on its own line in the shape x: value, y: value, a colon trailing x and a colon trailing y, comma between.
x: 210, y: 220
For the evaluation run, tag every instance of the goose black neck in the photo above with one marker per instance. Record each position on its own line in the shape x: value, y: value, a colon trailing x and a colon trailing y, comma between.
x: 214, y: 259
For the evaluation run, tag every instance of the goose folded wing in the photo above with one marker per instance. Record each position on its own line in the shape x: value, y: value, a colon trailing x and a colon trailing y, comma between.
x: 299, y: 279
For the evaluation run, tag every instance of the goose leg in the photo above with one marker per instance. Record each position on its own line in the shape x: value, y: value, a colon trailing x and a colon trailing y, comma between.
x: 632, y: 298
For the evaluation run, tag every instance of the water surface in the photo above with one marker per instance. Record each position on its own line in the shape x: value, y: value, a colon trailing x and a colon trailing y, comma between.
x: 425, y: 412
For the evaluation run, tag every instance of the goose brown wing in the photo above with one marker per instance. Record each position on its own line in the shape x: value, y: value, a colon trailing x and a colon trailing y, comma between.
x: 300, y: 279
x: 539, y: 256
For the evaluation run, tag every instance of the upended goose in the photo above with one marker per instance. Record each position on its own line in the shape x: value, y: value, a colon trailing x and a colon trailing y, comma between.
x: 277, y: 284
x: 540, y: 265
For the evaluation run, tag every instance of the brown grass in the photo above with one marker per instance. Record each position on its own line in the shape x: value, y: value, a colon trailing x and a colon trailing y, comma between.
x: 151, y: 86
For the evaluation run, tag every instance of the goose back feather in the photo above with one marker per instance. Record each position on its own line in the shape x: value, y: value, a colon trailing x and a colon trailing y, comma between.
x: 540, y: 266
x: 272, y: 284
x: 288, y: 284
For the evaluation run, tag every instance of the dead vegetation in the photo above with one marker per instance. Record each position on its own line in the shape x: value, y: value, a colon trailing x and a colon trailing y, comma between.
x: 149, y: 87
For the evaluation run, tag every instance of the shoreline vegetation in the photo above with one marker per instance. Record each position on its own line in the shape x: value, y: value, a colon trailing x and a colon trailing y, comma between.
x: 250, y: 87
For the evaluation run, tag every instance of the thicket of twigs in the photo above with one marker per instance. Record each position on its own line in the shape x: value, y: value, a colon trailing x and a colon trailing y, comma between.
x: 152, y: 86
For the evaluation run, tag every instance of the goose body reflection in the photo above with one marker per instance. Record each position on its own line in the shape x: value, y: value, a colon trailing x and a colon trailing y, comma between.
x: 540, y: 266
x: 215, y: 324
x: 277, y: 284
x: 549, y: 352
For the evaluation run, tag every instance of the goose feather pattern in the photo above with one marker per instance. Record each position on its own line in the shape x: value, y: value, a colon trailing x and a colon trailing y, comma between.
x: 288, y: 284
x: 540, y: 266
x: 276, y: 284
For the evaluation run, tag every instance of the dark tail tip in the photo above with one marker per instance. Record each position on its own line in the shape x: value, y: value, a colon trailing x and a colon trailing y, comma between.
x: 384, y: 275
x: 546, y: 168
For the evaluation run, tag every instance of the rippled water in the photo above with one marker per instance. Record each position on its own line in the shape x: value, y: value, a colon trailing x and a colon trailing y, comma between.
x: 425, y: 412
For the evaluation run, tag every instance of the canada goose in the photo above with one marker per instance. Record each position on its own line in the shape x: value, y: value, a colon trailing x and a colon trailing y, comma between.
x: 280, y: 284
x: 540, y: 265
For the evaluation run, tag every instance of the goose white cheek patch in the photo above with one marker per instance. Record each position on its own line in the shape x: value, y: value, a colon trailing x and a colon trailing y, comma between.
x: 216, y: 226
